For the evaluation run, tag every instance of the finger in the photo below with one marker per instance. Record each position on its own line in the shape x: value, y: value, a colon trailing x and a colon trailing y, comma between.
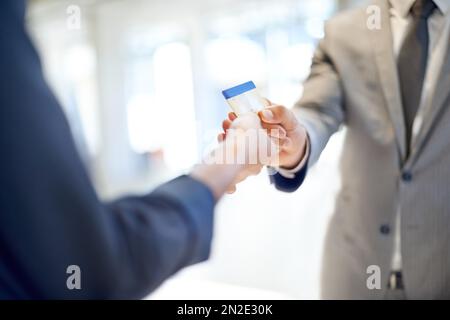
x: 226, y: 124
x: 247, y: 121
x: 221, y: 137
x: 274, y: 130
x: 252, y: 170
x: 286, y: 143
x: 231, y: 190
x: 279, y: 115
x: 232, y: 116
x: 255, y: 170
x: 267, y: 102
x: 277, y: 142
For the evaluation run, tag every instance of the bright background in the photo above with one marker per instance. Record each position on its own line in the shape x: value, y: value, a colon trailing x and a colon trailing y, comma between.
x: 141, y: 81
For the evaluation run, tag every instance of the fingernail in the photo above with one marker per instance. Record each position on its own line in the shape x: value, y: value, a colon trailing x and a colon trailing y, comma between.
x: 277, y: 133
x: 267, y: 114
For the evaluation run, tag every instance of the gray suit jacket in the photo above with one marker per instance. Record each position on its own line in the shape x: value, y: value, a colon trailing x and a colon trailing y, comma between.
x: 353, y: 82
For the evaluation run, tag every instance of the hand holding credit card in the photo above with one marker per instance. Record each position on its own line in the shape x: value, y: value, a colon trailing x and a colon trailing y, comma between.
x: 280, y: 122
x: 246, y: 103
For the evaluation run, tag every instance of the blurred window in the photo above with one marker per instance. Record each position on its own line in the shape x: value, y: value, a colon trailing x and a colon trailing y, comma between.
x: 160, y: 109
x: 271, y: 44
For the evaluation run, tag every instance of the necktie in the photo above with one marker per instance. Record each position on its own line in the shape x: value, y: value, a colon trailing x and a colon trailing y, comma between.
x: 412, y: 61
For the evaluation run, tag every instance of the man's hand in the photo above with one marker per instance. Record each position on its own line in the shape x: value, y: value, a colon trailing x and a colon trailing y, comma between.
x: 282, y: 125
x: 293, y: 139
x: 249, y: 137
x: 240, y: 154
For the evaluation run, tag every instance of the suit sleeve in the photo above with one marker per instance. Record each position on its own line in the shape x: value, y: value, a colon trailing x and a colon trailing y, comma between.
x: 50, y: 215
x: 290, y: 180
x: 320, y: 110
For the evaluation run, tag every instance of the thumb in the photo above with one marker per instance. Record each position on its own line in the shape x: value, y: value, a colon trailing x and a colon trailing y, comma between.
x: 279, y: 115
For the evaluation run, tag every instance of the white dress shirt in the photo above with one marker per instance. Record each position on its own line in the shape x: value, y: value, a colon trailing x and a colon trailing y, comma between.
x: 439, y: 32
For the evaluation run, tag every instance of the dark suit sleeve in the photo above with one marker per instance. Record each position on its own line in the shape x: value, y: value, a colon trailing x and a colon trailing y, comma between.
x: 290, y: 184
x: 50, y: 216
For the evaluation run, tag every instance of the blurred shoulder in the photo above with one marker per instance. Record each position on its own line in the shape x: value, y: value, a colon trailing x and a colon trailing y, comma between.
x: 354, y: 18
x: 350, y: 25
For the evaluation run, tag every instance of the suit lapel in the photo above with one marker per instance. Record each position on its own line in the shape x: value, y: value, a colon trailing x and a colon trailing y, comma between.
x: 439, y: 99
x: 387, y: 70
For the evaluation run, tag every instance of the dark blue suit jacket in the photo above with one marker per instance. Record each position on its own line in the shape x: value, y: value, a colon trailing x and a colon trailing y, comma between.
x: 287, y: 184
x: 50, y: 216
x: 290, y: 184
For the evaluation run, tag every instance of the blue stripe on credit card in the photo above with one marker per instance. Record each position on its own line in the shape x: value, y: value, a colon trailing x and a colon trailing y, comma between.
x: 237, y: 90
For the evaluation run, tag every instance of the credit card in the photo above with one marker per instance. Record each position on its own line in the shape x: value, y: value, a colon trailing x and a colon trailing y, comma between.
x: 244, y: 98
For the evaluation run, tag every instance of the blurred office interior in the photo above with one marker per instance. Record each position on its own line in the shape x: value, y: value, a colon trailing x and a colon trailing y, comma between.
x: 140, y: 82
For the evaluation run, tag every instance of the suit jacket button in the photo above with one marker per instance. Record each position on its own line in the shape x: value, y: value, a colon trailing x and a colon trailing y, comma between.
x: 385, y: 229
x: 407, y: 176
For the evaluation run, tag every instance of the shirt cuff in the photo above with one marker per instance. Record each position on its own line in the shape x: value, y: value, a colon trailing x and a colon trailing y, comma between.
x: 290, y: 173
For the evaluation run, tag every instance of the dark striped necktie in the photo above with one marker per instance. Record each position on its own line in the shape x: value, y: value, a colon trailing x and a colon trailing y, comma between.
x: 412, y: 61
